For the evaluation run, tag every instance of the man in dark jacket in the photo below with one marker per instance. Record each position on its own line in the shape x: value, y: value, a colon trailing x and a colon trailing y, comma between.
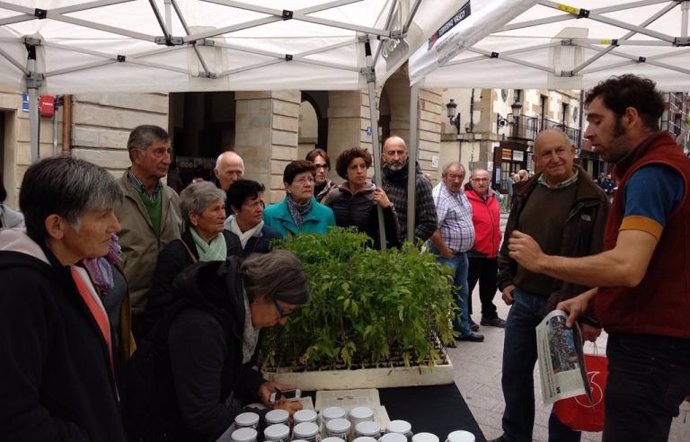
x: 566, y: 213
x: 395, y: 165
x: 57, y: 379
x: 643, y: 277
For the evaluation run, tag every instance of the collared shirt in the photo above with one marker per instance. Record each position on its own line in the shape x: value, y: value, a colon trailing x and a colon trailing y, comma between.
x: 136, y: 182
x: 454, y: 218
x: 562, y: 184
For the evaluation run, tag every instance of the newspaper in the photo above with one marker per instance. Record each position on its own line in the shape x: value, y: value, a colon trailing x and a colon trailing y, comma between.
x: 561, y: 359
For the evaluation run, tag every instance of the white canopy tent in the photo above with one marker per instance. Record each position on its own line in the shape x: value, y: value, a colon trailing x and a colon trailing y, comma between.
x: 78, y: 46
x: 544, y: 44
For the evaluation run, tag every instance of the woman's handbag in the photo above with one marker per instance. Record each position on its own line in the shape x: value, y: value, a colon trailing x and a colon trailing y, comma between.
x: 577, y: 412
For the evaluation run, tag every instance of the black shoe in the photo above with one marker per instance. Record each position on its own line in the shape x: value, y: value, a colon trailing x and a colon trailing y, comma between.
x: 474, y: 326
x: 494, y: 322
x: 498, y: 439
x: 472, y: 337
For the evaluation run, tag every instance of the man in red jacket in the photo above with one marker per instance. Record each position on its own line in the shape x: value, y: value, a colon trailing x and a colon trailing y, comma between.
x: 643, y: 277
x: 482, y: 257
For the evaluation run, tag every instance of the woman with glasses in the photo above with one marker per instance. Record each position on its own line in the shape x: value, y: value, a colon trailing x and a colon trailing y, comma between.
x: 356, y: 201
x: 299, y: 212
x: 203, y: 352
x: 322, y: 185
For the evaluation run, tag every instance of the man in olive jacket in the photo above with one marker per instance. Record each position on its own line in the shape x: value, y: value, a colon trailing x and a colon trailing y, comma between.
x: 149, y: 214
x: 566, y: 213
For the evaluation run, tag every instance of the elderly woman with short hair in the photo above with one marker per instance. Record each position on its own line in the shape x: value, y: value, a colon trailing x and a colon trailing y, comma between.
x: 355, y: 202
x: 205, y: 239
x: 205, y: 348
x: 57, y: 378
x: 246, y: 200
x: 299, y: 212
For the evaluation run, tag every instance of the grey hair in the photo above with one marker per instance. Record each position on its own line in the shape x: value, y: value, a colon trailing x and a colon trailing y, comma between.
x: 67, y: 187
x: 142, y: 137
x: 444, y: 172
x: 196, y: 198
x: 277, y: 275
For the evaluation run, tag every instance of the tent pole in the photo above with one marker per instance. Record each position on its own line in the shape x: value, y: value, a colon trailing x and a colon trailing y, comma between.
x: 412, y: 161
x: 684, y: 18
x: 376, y: 147
x: 34, y: 124
x: 33, y: 82
x: 168, y: 16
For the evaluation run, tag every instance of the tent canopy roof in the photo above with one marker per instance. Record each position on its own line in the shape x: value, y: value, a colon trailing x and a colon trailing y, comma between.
x: 202, y: 45
x: 544, y: 44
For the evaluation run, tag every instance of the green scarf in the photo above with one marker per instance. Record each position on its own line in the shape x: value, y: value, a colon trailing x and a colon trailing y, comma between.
x: 217, y: 250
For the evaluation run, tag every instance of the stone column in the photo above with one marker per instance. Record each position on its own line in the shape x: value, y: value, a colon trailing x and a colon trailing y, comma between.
x: 348, y: 121
x: 429, y: 128
x: 266, y: 125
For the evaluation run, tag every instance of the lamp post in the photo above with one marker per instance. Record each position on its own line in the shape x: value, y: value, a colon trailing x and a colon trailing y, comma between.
x: 453, y: 115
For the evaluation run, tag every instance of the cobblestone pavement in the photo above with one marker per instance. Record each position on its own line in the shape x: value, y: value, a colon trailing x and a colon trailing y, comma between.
x: 478, y: 376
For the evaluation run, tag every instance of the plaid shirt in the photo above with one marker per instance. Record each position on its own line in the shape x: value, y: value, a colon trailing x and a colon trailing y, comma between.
x: 136, y: 182
x: 454, y: 218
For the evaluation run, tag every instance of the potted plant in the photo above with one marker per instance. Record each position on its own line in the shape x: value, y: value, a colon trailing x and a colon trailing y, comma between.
x: 387, y: 311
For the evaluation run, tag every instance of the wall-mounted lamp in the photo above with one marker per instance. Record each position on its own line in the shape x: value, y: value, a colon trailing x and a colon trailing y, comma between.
x: 453, y: 115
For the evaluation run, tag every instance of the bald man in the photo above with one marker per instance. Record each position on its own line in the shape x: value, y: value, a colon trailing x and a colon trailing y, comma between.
x: 565, y: 212
x: 229, y: 168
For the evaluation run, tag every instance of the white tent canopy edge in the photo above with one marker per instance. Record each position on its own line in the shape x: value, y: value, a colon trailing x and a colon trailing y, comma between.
x: 558, y: 46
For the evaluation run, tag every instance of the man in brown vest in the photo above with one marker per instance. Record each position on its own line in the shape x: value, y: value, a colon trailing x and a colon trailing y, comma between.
x: 643, y: 277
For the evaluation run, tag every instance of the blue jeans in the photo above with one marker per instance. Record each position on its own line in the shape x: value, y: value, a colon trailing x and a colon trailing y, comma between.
x: 459, y: 264
x: 519, y: 357
x: 649, y: 377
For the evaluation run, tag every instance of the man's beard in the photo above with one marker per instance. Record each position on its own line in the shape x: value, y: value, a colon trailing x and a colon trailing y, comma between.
x: 613, y: 155
x: 396, y: 166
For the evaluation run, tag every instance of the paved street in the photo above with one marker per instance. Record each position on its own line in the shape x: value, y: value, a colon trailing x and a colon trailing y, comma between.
x: 478, y: 376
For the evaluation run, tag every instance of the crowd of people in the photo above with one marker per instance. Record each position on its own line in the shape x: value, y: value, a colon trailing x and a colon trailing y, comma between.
x: 131, y: 312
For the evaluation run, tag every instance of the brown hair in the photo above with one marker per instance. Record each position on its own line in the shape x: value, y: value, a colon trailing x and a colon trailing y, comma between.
x: 345, y: 158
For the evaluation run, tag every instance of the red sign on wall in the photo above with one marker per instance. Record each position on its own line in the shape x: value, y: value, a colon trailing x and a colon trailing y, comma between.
x: 46, y: 105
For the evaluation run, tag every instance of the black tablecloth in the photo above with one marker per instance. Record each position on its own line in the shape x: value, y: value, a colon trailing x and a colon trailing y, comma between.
x: 438, y: 409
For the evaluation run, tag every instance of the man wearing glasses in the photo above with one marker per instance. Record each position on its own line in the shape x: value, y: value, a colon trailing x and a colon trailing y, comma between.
x: 483, y: 256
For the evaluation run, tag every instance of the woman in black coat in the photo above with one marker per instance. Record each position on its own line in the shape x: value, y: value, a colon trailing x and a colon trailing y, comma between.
x: 355, y: 202
x: 203, y: 351
x: 205, y: 239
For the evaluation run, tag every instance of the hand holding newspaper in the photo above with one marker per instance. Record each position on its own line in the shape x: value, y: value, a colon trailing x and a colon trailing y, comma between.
x: 561, y: 359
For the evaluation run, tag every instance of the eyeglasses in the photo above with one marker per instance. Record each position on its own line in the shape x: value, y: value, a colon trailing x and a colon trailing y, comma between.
x: 321, y: 166
x: 281, y: 312
x: 303, y: 180
x: 481, y: 180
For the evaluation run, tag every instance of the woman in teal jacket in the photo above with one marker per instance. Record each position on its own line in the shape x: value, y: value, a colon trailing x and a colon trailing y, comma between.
x: 299, y: 212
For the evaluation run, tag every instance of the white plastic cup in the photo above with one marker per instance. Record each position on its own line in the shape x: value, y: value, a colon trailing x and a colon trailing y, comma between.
x: 330, y: 413
x: 277, y: 416
x: 338, y: 428
x: 460, y: 436
x: 332, y: 439
x: 425, y: 437
x: 247, y: 420
x: 277, y: 433
x: 401, y: 427
x: 307, y: 431
x: 393, y: 437
x: 245, y: 434
x: 364, y: 439
x: 368, y: 429
x: 301, y: 416
x: 361, y: 414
